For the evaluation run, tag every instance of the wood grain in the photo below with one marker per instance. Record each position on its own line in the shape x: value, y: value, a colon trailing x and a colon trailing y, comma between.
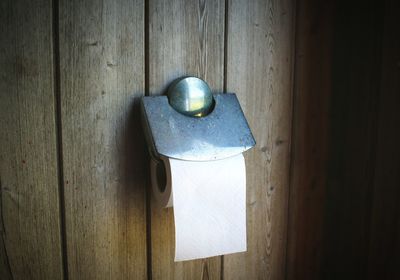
x: 30, y: 241
x: 185, y: 38
x: 102, y: 78
x: 259, y: 71
x: 77, y: 123
x: 384, y: 241
x: 310, y: 139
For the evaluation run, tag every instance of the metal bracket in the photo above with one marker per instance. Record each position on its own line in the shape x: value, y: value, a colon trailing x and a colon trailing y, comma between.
x: 223, y: 133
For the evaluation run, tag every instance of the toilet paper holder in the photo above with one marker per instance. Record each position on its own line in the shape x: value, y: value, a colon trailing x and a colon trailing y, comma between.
x: 192, y: 124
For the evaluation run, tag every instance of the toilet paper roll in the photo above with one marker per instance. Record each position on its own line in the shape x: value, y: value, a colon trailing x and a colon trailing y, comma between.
x: 209, y: 202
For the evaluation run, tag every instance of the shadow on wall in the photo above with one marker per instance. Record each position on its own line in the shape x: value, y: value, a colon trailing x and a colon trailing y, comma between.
x: 355, y: 102
x: 134, y: 167
x: 135, y: 157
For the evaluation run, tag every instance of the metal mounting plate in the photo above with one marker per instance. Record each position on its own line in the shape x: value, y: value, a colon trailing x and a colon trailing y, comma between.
x: 221, y: 134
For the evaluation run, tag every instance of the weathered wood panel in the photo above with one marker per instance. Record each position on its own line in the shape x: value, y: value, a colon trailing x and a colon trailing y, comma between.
x: 344, y: 219
x: 102, y: 77
x: 384, y: 241
x: 259, y: 70
x: 310, y: 139
x: 29, y: 195
x: 185, y: 37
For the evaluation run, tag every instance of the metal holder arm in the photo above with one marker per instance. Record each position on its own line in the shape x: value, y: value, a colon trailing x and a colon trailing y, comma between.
x: 222, y: 133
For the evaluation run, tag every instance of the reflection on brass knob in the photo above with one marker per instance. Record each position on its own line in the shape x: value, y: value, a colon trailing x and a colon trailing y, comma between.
x: 190, y: 96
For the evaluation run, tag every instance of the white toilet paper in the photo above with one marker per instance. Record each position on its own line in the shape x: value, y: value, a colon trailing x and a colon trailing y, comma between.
x: 209, y: 200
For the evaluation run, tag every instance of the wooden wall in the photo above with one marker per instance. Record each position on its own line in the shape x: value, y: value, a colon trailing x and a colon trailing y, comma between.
x: 319, y: 84
x: 31, y: 223
x: 312, y: 92
x: 74, y: 167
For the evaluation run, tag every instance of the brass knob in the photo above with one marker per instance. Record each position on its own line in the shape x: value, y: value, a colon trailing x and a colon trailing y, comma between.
x: 190, y: 96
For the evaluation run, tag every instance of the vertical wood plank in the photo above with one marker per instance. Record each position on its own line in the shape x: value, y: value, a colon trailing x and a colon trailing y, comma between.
x: 259, y: 70
x: 102, y: 78
x: 312, y: 93
x: 185, y: 37
x: 384, y: 241
x: 353, y: 137
x: 29, y: 193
